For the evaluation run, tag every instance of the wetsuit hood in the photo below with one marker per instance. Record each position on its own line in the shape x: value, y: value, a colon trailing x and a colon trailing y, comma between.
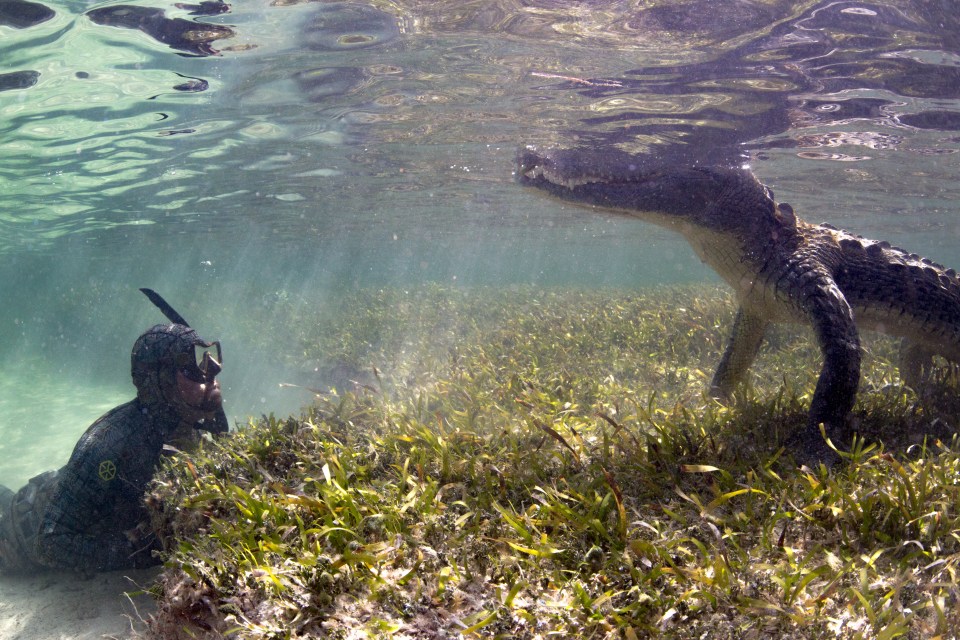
x: 165, y: 350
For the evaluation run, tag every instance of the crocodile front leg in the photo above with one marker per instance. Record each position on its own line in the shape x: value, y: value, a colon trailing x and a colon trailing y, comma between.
x: 742, y: 348
x: 833, y: 324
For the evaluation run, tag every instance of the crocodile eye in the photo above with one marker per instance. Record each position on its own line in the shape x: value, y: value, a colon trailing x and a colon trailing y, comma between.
x: 786, y: 215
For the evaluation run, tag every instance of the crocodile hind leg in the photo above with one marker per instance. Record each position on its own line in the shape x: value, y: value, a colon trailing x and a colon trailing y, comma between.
x: 916, y: 364
x: 742, y: 348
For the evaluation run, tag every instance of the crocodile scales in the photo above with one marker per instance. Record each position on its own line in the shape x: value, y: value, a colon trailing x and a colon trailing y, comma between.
x: 782, y: 269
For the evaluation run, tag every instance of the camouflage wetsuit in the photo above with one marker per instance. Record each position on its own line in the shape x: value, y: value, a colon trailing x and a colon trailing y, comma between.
x: 89, y: 515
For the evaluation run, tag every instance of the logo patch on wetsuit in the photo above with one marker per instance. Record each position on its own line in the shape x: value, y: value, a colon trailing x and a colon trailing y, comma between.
x: 107, y: 471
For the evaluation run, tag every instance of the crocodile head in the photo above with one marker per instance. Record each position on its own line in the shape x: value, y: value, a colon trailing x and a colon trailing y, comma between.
x: 685, y: 197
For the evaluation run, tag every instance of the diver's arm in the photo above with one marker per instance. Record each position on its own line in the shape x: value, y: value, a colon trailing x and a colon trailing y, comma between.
x: 94, y: 515
x: 65, y: 539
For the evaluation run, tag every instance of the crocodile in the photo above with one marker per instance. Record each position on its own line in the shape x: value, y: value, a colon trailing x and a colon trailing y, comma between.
x: 781, y: 268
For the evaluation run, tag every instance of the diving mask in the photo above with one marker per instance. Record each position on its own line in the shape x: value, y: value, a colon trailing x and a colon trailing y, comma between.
x: 203, y: 364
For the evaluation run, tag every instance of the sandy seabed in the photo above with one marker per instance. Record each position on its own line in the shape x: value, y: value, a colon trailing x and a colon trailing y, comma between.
x: 65, y: 606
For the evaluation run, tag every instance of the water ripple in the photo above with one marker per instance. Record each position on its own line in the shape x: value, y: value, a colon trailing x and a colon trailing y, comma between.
x: 96, y: 105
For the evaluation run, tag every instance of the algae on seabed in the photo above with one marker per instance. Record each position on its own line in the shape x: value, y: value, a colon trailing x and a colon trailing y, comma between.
x: 533, y: 463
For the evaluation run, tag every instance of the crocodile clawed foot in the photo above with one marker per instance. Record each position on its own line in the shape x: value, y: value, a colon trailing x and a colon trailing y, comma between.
x: 722, y: 395
x: 811, y: 449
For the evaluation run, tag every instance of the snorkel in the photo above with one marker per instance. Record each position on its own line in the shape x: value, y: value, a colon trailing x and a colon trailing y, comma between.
x: 197, y: 369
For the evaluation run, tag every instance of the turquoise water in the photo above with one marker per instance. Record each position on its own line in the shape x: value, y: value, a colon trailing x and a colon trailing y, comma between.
x: 257, y: 164
x: 298, y: 151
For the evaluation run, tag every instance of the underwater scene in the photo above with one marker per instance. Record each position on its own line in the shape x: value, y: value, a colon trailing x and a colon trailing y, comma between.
x: 470, y: 384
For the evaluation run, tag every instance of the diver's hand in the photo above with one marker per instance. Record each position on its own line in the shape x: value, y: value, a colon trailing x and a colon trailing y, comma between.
x: 138, y: 533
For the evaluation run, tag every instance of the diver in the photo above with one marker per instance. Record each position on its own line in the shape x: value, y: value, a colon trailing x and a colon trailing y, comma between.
x: 89, y: 515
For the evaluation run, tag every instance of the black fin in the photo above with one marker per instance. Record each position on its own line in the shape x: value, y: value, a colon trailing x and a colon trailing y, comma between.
x: 167, y: 310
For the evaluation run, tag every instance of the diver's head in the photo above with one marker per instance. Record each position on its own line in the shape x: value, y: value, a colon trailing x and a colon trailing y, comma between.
x: 173, y: 365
